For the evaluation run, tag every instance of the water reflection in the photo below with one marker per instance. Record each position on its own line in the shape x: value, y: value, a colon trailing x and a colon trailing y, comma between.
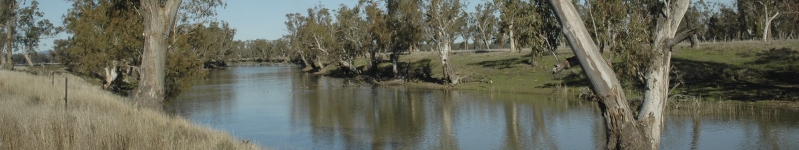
x: 281, y: 107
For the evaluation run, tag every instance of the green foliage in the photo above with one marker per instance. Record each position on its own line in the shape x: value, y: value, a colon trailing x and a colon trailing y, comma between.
x: 102, y: 31
x: 183, y: 68
x: 634, y: 43
x: 349, y: 34
x: 32, y: 28
x: 539, y: 29
x: 207, y: 43
x: 484, y: 23
x: 405, y: 22
x: 108, y: 31
x: 442, y: 18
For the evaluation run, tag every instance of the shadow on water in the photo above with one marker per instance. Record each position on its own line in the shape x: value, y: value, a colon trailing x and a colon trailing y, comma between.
x: 282, y: 107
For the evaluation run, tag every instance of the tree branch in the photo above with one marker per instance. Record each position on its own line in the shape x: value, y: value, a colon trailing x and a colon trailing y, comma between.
x: 685, y: 34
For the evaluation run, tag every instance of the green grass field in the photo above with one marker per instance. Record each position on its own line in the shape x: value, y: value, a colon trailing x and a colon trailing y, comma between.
x: 742, y: 71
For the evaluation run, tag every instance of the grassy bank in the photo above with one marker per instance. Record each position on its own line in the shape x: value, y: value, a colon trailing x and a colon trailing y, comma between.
x: 33, y: 116
x: 741, y: 71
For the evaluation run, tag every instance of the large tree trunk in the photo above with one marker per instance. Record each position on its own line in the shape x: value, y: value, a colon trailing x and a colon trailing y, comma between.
x: 9, y: 41
x: 373, y: 62
x: 319, y: 63
x: 624, y: 131
x: 304, y: 60
x: 348, y: 67
x: 694, y: 41
x: 613, y: 103
x: 27, y: 56
x: 657, y: 76
x: 2, y: 56
x: 767, y: 26
x: 394, y: 61
x: 158, y: 21
x: 444, y: 49
x: 512, y: 39
x: 483, y: 35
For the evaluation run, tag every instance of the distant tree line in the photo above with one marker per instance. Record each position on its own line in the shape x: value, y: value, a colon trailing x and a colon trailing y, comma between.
x: 321, y: 36
x: 641, y: 33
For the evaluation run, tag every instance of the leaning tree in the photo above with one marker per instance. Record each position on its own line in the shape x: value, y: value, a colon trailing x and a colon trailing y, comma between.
x: 624, y: 129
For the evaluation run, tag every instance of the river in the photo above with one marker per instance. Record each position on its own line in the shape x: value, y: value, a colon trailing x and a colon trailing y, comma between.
x: 281, y: 107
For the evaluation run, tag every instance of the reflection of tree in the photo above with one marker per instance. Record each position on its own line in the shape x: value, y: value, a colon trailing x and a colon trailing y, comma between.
x: 696, y: 131
x: 540, y: 132
x: 373, y: 118
x: 512, y: 127
x: 447, y: 140
x: 400, y: 118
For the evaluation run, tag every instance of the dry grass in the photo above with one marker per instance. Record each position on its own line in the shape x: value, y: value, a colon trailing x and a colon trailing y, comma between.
x: 33, y: 116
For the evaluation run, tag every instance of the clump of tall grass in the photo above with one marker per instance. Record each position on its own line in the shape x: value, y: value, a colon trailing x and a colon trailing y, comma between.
x: 33, y: 116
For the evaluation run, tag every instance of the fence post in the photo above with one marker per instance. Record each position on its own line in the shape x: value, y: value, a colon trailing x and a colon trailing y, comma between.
x: 66, y: 92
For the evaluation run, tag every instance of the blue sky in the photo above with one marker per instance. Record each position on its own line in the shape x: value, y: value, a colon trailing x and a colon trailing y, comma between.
x: 253, y: 19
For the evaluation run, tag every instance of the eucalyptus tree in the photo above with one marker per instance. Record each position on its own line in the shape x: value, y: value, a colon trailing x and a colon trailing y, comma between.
x: 350, y: 36
x: 103, y: 32
x: 379, y: 33
x: 404, y: 20
x: 318, y: 34
x: 131, y: 33
x: 280, y: 50
x: 723, y: 24
x: 624, y: 130
x: 9, y: 17
x: 771, y: 9
x: 538, y: 30
x: 606, y: 21
x: 508, y: 15
x: 465, y: 30
x: 295, y: 23
x: 210, y: 44
x: 158, y: 18
x: 484, y: 22
x: 441, y: 18
x: 32, y: 29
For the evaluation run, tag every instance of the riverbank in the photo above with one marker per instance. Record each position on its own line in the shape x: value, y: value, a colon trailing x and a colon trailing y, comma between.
x: 747, y: 71
x: 33, y: 115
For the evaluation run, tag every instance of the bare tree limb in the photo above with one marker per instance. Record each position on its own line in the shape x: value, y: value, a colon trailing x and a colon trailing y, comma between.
x: 685, y: 34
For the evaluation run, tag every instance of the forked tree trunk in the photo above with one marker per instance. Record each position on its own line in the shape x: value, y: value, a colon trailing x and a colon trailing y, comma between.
x: 482, y: 35
x: 444, y: 51
x: 158, y: 21
x: 767, y: 25
x: 623, y: 130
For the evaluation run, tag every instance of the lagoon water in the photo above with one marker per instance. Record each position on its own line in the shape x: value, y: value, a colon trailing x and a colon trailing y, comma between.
x: 281, y: 107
